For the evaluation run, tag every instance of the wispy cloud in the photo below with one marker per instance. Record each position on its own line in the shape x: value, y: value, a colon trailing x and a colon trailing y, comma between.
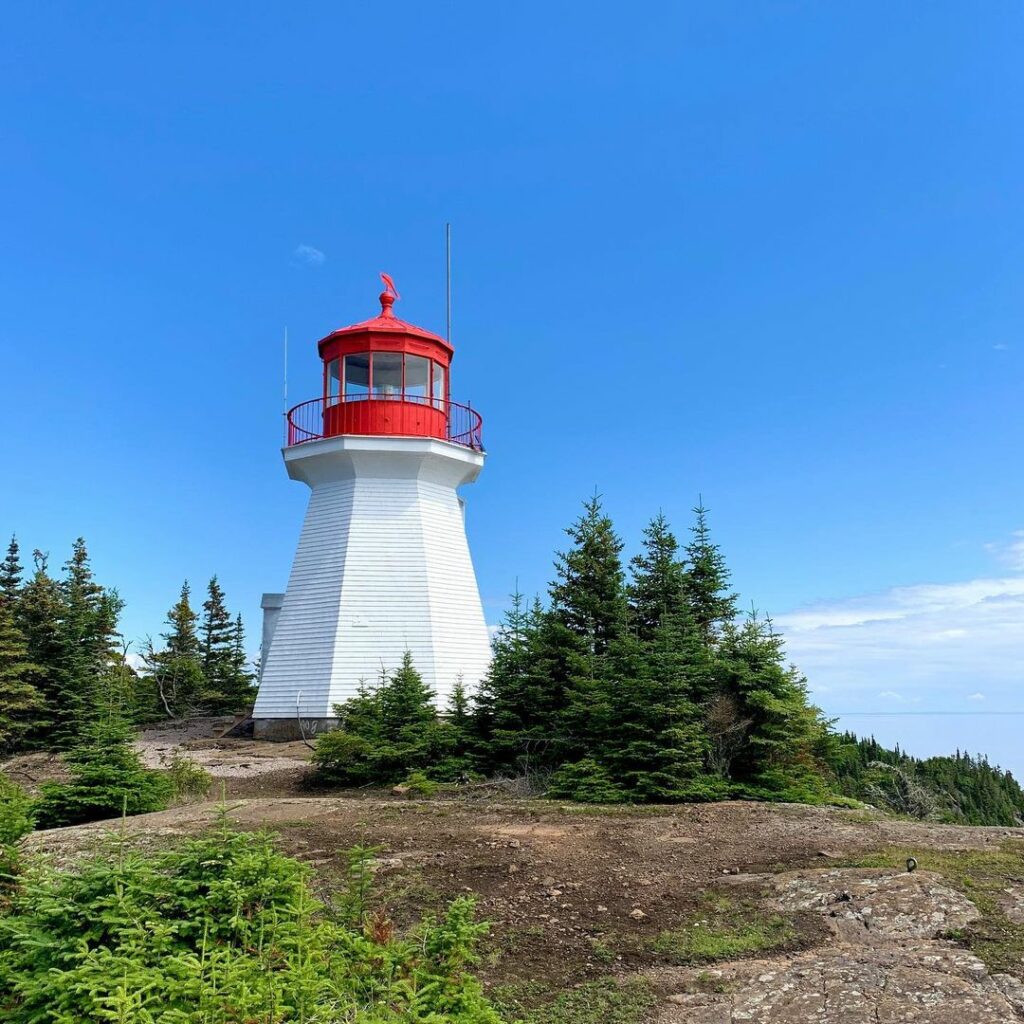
x: 937, y: 643
x: 308, y: 256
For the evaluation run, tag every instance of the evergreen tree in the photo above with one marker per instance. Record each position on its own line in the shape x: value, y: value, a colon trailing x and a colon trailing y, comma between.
x: 388, y: 733
x: 659, y: 579
x: 240, y: 678
x: 107, y: 775
x: 11, y: 573
x: 655, y: 745
x: 177, y: 669
x: 39, y: 610
x: 514, y: 703
x: 588, y: 593
x: 86, y: 629
x: 706, y: 581
x: 777, y: 757
x: 218, y: 650
x: 20, y: 701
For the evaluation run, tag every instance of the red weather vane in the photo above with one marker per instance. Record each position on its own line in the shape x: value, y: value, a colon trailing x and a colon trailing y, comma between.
x: 389, y: 285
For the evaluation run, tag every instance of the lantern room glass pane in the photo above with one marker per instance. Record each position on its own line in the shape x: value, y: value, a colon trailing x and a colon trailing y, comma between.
x: 439, y: 384
x: 387, y: 375
x: 417, y: 378
x: 333, y: 382
x: 357, y: 375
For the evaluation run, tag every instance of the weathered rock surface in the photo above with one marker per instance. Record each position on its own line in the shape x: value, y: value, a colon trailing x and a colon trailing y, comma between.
x: 907, y: 983
x: 871, y: 906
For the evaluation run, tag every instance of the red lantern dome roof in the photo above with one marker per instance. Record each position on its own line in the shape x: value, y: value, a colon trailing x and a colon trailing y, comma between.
x: 385, y: 323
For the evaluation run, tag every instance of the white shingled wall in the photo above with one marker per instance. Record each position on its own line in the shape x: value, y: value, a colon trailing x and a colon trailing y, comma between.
x: 382, y: 566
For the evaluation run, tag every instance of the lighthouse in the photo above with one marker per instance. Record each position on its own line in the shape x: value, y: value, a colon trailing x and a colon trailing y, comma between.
x: 383, y: 564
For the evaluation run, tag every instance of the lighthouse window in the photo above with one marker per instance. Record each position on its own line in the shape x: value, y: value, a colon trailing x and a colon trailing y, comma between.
x: 438, y: 384
x: 357, y: 375
x: 417, y: 378
x: 333, y: 382
x: 387, y: 375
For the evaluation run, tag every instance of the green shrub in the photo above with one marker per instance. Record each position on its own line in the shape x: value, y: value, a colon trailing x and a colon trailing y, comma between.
x: 586, y: 781
x: 341, y: 759
x: 16, y: 820
x: 419, y: 785
x: 188, y: 779
x: 107, y: 779
x: 220, y: 930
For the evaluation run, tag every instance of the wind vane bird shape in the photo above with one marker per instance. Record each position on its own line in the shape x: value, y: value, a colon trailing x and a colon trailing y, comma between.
x: 389, y: 285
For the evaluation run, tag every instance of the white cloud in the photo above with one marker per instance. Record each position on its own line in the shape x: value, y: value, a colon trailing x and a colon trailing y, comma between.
x: 308, y: 256
x: 917, y: 644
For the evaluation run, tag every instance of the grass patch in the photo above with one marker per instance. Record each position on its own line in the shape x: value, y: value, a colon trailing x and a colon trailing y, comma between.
x: 982, y: 876
x: 724, y: 928
x: 597, y: 1002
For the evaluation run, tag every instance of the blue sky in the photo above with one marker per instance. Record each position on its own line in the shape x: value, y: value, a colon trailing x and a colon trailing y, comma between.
x: 769, y: 253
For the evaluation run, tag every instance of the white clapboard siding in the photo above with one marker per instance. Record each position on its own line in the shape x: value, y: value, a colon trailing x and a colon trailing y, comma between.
x: 382, y: 567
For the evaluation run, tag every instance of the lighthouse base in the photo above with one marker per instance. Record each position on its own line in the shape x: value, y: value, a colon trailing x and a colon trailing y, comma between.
x: 286, y: 730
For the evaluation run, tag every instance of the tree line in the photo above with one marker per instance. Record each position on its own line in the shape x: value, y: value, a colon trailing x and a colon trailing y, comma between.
x: 636, y: 681
x: 641, y: 681
x: 64, y: 664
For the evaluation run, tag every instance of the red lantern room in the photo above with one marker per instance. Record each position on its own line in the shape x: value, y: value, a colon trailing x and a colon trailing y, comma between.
x: 385, y: 377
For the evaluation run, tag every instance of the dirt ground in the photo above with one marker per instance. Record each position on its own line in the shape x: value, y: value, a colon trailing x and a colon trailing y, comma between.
x: 577, y: 893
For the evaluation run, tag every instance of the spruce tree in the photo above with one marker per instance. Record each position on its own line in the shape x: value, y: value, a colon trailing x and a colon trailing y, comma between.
x: 706, y: 581
x: 217, y: 647
x: 509, y: 705
x: 588, y: 593
x: 39, y: 610
x: 778, y: 755
x: 20, y: 701
x: 85, y: 634
x: 658, y: 588
x: 177, y: 669
x: 11, y: 573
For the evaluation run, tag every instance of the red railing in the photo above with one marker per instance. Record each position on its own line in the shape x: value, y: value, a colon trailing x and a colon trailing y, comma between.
x: 408, y: 416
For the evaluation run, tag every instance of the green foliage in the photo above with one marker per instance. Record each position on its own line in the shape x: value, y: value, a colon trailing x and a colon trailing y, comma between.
x: 586, y: 781
x: 227, y: 682
x: 598, y: 1002
x: 722, y: 928
x: 21, y: 703
x: 224, y: 929
x: 17, y: 819
x: 107, y: 778
x: 189, y: 780
x: 419, y: 785
x: 649, y: 690
x: 961, y: 789
x: 388, y: 732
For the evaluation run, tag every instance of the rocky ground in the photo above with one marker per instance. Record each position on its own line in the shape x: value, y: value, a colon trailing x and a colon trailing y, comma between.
x: 707, y: 914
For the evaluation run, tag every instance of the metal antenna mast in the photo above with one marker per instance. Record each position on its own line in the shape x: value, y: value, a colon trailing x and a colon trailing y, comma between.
x: 448, y: 279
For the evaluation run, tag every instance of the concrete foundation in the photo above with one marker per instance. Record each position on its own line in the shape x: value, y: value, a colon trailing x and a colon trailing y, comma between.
x: 284, y: 730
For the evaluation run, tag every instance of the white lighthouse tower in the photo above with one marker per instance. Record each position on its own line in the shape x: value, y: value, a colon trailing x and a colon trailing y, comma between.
x: 382, y: 565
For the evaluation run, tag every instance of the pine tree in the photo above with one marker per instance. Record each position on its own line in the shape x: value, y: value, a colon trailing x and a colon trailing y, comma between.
x: 778, y: 755
x: 177, y: 669
x: 39, y: 610
x: 240, y: 678
x: 11, y: 573
x: 217, y: 649
x: 706, y: 581
x: 85, y: 634
x: 507, y: 703
x: 406, y: 702
x: 588, y: 593
x: 659, y: 579
x: 20, y: 701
